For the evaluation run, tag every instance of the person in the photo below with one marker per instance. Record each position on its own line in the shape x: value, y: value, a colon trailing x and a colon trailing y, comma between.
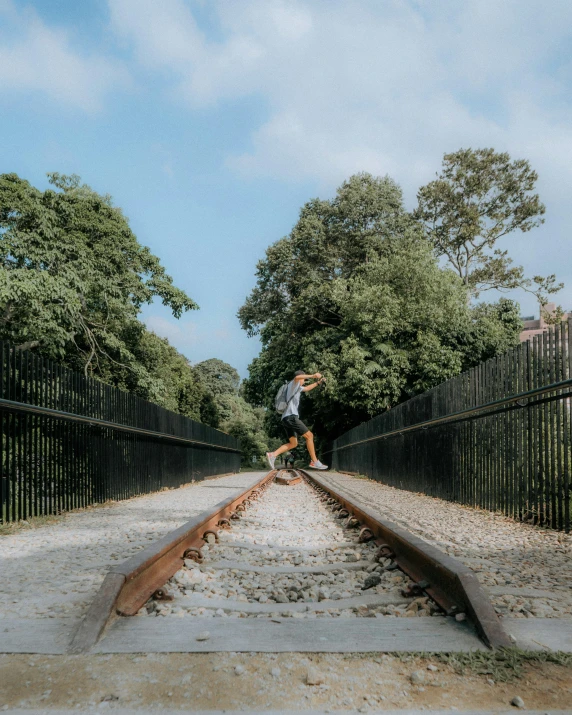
x: 291, y: 419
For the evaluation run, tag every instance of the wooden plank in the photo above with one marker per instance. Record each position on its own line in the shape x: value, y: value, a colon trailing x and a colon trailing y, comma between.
x: 196, y: 600
x: 541, y: 633
x: 226, y: 540
x: 335, y: 635
x: 288, y: 481
x: 48, y: 636
x: 326, y: 568
x: 527, y: 592
x: 98, y: 614
x: 271, y: 711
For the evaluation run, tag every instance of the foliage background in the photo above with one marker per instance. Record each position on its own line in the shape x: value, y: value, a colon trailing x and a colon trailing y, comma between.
x: 357, y: 292
x: 73, y: 279
x: 225, y: 407
x: 376, y: 298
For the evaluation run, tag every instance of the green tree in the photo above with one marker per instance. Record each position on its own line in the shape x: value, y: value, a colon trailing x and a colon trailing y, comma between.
x: 479, y: 197
x: 218, y: 377
x: 356, y: 292
x: 172, y: 382
x: 247, y: 424
x: 208, y: 410
x: 221, y: 382
x: 73, y: 277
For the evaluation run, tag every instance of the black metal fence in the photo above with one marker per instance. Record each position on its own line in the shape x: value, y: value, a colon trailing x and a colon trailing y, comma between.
x: 497, y: 436
x: 68, y: 441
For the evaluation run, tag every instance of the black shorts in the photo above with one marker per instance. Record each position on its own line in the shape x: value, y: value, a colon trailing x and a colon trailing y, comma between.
x: 294, y: 426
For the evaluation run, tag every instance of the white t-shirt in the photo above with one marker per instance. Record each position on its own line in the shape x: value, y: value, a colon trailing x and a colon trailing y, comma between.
x: 293, y: 394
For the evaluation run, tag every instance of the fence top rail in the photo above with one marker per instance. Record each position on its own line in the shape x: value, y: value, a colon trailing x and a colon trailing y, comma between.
x: 479, y: 411
x: 23, y: 407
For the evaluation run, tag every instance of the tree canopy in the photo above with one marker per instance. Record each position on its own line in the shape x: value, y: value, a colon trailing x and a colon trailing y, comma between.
x: 479, y: 197
x: 218, y: 377
x: 73, y: 278
x: 356, y: 292
x: 74, y: 275
x: 224, y: 407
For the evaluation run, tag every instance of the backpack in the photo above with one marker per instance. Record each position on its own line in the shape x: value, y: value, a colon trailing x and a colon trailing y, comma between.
x: 280, y: 401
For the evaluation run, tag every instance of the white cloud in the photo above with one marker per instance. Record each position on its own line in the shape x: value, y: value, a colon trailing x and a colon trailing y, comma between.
x: 385, y: 87
x: 35, y: 57
x: 165, y: 36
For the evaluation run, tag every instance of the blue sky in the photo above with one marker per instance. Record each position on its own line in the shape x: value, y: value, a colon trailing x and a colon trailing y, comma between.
x: 211, y: 122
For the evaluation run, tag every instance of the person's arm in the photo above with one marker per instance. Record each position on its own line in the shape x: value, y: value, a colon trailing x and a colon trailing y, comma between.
x: 315, y: 376
x: 314, y: 384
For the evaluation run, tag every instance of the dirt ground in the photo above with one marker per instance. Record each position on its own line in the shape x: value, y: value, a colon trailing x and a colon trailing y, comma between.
x: 213, y: 681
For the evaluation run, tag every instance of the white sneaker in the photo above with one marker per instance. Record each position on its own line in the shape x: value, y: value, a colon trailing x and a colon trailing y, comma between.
x: 271, y: 459
x: 317, y: 465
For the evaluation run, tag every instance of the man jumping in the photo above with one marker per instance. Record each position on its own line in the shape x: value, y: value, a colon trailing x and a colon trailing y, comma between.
x: 291, y: 420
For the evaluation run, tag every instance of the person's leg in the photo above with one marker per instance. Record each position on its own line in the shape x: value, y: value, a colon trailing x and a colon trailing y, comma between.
x: 292, y: 443
x: 309, y: 437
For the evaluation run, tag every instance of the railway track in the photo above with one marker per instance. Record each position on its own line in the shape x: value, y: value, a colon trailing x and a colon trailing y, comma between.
x: 290, y: 565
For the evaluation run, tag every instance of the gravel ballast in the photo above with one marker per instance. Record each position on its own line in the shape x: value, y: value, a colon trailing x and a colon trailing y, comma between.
x: 306, y: 563
x: 55, y: 570
x: 508, y: 556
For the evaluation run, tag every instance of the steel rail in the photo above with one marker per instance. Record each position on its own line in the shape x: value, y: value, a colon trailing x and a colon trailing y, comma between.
x: 490, y: 408
x: 127, y: 587
x: 23, y: 407
x: 448, y: 582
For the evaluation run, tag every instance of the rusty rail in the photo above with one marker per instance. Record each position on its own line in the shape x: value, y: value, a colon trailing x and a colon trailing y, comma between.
x: 447, y: 581
x: 127, y: 587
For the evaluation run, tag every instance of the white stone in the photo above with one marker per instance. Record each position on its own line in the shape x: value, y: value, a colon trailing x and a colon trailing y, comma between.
x: 314, y: 677
x: 417, y: 677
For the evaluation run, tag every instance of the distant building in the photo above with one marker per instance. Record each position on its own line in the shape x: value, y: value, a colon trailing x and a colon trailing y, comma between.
x: 536, y: 326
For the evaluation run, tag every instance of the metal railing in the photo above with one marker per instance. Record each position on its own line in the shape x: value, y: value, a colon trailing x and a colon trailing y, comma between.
x: 68, y: 441
x: 497, y: 436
